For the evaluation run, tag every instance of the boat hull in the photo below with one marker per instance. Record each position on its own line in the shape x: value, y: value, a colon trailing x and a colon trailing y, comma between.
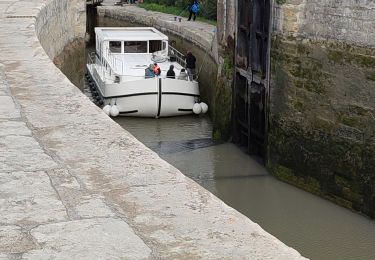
x: 152, y: 97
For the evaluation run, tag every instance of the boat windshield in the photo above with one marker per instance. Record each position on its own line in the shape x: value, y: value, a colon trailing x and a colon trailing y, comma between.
x: 155, y: 46
x: 115, y: 46
x: 135, y: 47
x: 130, y: 47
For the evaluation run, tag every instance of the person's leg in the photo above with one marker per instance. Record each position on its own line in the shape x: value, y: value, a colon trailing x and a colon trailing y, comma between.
x: 195, y: 16
x: 190, y: 73
x: 190, y: 14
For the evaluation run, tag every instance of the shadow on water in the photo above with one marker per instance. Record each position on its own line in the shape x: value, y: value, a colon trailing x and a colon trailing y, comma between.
x: 317, y: 228
x: 168, y: 147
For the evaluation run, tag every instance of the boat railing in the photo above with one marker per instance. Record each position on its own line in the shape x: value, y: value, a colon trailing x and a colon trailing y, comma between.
x: 102, y: 68
x: 116, y: 62
x: 92, y: 58
x: 177, y: 56
x: 108, y: 74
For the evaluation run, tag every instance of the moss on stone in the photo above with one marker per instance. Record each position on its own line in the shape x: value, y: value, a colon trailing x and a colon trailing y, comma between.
x: 305, y: 72
x: 312, y: 185
x: 324, y: 124
x: 222, y: 109
x: 348, y: 192
x: 326, y: 157
x: 341, y: 181
x: 228, y: 67
x: 350, y: 57
x: 365, y: 61
x: 320, y: 122
x: 216, y: 135
x: 358, y: 110
x: 335, y: 56
x: 302, y: 49
x: 299, y: 83
x: 349, y: 121
x: 298, y: 105
x: 287, y: 175
x: 371, y: 76
x: 351, y: 196
x: 281, y: 2
x: 340, y: 201
x: 317, y: 87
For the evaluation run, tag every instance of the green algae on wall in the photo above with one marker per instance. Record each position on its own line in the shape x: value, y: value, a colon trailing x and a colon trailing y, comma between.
x: 281, y: 2
x: 222, y: 107
x: 322, y: 124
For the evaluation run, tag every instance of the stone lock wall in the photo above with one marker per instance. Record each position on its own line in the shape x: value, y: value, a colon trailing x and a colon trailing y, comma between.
x: 226, y: 24
x: 322, y: 113
x: 59, y: 23
x: 226, y: 27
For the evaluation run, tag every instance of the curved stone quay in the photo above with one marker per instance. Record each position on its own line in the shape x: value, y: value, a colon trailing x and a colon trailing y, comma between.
x: 74, y: 184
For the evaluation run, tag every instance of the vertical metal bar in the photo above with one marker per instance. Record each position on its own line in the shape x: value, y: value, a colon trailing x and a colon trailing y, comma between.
x: 248, y: 115
x: 159, y: 96
x: 267, y: 81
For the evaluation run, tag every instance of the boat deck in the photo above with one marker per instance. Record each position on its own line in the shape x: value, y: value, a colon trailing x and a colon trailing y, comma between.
x: 132, y: 66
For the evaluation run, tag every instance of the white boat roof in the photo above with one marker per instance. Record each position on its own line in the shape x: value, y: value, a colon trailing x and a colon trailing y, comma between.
x: 129, y: 34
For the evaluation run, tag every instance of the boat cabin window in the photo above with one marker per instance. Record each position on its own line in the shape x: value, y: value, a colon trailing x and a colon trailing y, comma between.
x: 115, y: 46
x: 155, y: 46
x: 135, y: 47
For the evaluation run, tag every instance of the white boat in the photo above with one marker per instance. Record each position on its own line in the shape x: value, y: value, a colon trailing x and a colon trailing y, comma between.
x: 117, y: 74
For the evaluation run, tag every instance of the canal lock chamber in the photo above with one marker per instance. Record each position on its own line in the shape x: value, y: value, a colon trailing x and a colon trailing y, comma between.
x: 247, y: 115
x: 294, y: 216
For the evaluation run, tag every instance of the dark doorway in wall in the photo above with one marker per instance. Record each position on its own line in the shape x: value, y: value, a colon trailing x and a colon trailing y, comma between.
x: 91, y: 21
x: 252, y: 76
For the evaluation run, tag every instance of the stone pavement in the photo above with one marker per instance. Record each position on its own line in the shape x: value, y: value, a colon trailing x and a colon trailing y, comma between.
x: 75, y: 185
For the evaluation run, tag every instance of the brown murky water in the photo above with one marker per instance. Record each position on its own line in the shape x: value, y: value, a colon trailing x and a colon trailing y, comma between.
x: 315, y: 227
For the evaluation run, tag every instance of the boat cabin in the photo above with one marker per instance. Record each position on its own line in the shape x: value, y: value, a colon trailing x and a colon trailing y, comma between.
x: 130, y: 40
x: 127, y: 51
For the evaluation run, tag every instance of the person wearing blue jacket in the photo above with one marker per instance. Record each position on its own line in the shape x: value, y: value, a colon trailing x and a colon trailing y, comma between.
x: 193, y: 9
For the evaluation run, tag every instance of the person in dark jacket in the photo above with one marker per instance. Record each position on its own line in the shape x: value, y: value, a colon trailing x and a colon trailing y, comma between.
x: 170, y: 73
x: 190, y: 65
x: 193, y: 9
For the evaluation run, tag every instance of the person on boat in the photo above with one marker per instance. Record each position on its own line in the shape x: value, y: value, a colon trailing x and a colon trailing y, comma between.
x: 170, y: 72
x: 190, y: 65
x: 157, y: 70
x: 183, y: 75
x: 193, y: 9
x: 149, y: 72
